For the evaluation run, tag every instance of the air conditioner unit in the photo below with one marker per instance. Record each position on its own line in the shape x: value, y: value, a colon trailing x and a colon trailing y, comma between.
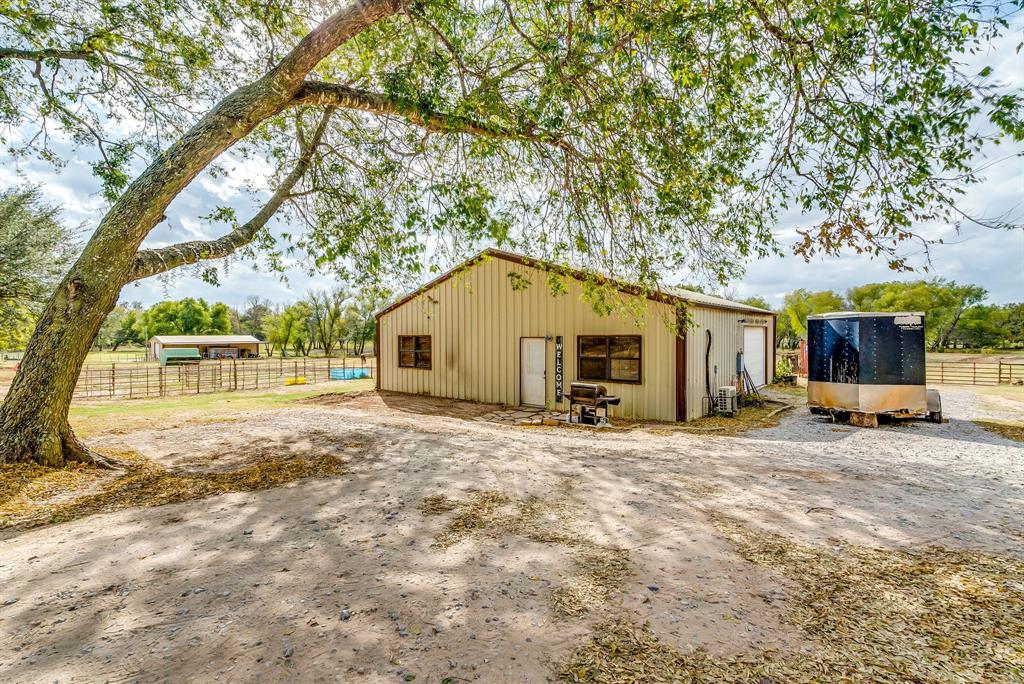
x: 726, y: 400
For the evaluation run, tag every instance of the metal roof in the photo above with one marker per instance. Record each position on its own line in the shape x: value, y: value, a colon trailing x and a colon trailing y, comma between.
x: 713, y: 301
x: 665, y: 294
x: 864, y: 314
x: 205, y: 339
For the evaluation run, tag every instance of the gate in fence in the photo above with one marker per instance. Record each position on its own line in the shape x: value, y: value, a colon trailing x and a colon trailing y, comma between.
x: 975, y: 373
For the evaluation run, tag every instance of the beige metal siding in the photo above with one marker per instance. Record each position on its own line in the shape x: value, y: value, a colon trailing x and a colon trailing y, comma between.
x: 476, y: 320
x: 726, y: 328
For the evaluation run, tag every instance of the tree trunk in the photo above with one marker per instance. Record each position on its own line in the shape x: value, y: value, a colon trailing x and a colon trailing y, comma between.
x: 942, y: 341
x: 34, y: 416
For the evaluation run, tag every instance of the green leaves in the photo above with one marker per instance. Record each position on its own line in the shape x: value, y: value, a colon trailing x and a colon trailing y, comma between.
x: 633, y: 138
x: 187, y: 317
x: 35, y: 250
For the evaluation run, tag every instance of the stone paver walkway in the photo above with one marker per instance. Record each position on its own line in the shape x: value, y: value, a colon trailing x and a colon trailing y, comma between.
x: 521, y: 415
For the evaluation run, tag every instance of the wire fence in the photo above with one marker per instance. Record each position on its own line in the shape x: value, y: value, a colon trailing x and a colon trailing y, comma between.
x: 137, y: 381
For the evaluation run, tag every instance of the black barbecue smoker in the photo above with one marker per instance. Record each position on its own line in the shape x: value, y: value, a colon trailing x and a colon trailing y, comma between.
x: 588, y: 403
x: 866, y: 364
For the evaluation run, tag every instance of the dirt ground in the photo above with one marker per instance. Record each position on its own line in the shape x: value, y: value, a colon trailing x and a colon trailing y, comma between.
x: 456, y: 549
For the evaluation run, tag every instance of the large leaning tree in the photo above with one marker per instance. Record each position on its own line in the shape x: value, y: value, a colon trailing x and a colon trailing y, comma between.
x: 630, y: 137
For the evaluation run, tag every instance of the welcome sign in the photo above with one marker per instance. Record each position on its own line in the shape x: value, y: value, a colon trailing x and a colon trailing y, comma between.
x: 558, y: 368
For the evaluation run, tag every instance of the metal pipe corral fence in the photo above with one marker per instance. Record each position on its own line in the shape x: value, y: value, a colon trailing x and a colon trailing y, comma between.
x: 141, y: 381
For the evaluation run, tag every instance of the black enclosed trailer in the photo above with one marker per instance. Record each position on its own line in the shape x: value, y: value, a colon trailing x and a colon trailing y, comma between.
x: 868, y: 363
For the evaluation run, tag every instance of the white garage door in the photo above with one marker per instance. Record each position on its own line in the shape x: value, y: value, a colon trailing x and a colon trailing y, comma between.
x: 754, y: 352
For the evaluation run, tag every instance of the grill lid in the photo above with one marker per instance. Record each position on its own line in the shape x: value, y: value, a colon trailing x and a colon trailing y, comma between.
x: 587, y: 390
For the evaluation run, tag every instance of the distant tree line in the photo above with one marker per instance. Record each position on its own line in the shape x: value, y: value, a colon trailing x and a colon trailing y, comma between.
x: 327, y: 322
x: 35, y: 249
x: 130, y: 324
x: 957, y: 316
x: 340, y: 320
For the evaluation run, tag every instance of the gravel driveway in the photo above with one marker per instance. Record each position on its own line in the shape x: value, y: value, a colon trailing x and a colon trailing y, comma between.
x: 337, y: 580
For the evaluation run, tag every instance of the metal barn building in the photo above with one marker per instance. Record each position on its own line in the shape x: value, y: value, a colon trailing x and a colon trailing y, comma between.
x: 491, y: 330
x: 209, y: 346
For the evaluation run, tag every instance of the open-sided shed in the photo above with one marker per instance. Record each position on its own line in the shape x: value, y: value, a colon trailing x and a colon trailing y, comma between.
x: 209, y: 346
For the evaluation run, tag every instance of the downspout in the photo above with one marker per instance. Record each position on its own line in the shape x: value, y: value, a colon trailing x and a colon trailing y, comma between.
x: 707, y: 372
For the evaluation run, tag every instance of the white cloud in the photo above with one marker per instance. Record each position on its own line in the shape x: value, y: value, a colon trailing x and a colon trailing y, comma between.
x: 978, y: 255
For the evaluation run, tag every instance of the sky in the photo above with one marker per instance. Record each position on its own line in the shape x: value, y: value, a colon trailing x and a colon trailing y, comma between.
x: 972, y: 254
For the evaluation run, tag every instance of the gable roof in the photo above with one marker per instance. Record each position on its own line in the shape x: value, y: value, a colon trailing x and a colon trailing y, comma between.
x: 668, y: 295
x: 205, y: 339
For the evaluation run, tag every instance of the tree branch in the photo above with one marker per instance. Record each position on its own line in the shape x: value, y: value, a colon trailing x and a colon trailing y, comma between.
x: 150, y: 262
x: 318, y: 93
x: 49, y: 53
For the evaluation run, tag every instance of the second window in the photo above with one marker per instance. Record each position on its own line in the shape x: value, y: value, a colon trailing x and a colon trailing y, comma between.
x: 414, y: 351
x: 611, y: 358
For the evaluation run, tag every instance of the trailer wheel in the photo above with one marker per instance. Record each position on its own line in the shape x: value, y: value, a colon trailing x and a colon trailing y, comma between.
x: 935, y: 416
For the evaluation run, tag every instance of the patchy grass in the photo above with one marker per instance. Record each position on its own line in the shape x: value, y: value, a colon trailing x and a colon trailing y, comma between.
x: 33, y: 495
x: 139, y: 414
x: 599, y: 573
x: 795, y: 391
x: 696, y: 486
x: 130, y: 355
x: 1012, y: 392
x: 875, y: 615
x: 1004, y: 428
x: 748, y: 418
x: 495, y: 515
x: 598, y: 570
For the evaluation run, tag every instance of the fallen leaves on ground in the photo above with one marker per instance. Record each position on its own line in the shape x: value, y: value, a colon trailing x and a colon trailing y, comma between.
x: 875, y: 615
x: 598, y: 570
x: 21, y: 484
x: 495, y: 514
x: 598, y: 573
x: 924, y: 614
x: 620, y: 652
x: 1013, y: 431
x: 38, y: 496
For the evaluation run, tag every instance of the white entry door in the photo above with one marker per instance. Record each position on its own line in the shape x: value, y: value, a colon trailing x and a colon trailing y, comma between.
x: 531, y: 363
x: 754, y: 353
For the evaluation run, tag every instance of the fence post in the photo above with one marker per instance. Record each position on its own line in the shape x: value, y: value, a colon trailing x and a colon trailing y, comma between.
x: 974, y: 370
x: 942, y: 372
